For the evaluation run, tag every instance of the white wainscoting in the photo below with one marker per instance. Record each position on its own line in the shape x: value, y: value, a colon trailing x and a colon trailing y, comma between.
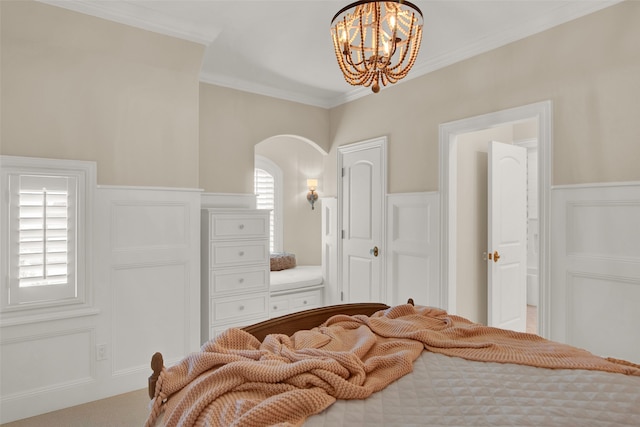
x: 413, y: 248
x: 149, y: 273
x: 146, y: 298
x: 45, y: 366
x: 595, y: 268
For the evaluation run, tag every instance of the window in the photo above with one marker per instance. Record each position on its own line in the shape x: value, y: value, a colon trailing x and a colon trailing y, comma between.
x: 45, y: 251
x: 265, y: 199
x: 268, y: 189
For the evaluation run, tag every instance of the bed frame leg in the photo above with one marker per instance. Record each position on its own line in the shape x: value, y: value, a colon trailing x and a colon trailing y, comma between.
x: 157, y: 364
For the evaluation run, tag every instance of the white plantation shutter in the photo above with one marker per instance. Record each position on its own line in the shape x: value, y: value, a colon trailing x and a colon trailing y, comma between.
x: 268, y: 189
x: 265, y: 199
x: 44, y: 231
x: 43, y: 210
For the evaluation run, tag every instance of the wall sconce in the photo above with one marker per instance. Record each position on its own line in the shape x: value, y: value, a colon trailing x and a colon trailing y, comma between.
x: 312, y: 195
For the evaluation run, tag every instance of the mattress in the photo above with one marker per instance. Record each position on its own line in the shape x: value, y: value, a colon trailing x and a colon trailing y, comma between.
x: 301, y: 276
x: 449, y: 391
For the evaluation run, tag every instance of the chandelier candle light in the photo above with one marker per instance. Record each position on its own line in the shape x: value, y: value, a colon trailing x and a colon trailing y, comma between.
x: 376, y: 41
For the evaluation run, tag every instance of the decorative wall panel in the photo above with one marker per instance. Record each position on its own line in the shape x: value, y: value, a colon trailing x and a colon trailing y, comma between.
x: 156, y: 291
x: 413, y: 242
x: 595, y: 268
x: 63, y: 359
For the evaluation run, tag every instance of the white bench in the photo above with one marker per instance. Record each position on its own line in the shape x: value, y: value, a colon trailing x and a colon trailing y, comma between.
x: 301, y: 276
x: 296, y: 289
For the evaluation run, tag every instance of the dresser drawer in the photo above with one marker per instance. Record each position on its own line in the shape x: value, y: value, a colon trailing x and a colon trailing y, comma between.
x: 237, y: 308
x: 304, y: 300
x: 238, y: 280
x: 239, y: 226
x: 279, y: 306
x: 282, y: 304
x: 228, y: 254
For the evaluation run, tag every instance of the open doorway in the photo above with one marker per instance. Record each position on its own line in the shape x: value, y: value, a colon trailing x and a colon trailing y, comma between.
x: 451, y: 137
x: 500, y: 294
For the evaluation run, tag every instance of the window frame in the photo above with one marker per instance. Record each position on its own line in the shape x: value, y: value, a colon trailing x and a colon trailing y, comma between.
x: 83, y: 173
x: 267, y: 165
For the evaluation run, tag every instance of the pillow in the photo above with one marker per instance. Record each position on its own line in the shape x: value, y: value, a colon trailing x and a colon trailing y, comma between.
x: 282, y: 261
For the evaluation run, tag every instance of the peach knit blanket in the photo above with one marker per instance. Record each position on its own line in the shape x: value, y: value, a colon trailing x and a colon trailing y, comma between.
x: 237, y: 381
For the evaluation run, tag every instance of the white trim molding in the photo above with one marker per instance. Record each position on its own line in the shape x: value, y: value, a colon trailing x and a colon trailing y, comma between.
x: 448, y: 134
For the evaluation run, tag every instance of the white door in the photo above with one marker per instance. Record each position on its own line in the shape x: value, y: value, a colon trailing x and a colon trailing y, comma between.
x: 363, y: 187
x: 507, y: 271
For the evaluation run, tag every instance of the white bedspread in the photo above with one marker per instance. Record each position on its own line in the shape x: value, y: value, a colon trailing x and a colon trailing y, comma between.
x: 301, y: 276
x: 449, y: 391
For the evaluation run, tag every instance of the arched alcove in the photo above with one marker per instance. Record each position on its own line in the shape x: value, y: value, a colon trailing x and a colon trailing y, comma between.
x: 299, y: 159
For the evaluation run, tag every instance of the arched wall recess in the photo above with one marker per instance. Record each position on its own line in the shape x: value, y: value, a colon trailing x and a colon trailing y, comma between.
x: 297, y: 137
x: 300, y: 159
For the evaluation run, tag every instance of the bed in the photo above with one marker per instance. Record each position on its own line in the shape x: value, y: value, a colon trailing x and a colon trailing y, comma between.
x: 374, y: 365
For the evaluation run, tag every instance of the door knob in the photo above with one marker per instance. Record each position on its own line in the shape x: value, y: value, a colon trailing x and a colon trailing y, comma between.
x: 495, y: 256
x: 374, y: 251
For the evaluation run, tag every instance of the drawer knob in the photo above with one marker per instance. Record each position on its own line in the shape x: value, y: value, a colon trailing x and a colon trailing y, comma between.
x: 275, y: 307
x: 241, y: 226
x: 241, y: 307
x: 304, y: 302
x: 241, y: 253
x: 241, y: 280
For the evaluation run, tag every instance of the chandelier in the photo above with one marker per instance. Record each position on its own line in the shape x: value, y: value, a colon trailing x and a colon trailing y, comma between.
x: 376, y: 41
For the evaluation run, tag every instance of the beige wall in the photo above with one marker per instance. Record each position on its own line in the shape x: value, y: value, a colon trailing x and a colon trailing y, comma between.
x: 233, y: 122
x: 302, y: 226
x: 74, y: 86
x: 78, y: 87
x: 589, y: 68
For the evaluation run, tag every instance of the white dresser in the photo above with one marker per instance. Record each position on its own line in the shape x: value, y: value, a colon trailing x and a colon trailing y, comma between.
x: 235, y: 269
x: 287, y: 302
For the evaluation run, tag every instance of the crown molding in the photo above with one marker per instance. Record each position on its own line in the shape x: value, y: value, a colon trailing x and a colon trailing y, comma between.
x: 134, y: 15
x: 265, y: 90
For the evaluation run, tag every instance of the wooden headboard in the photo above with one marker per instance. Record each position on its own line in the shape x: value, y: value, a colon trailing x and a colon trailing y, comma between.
x: 288, y: 325
x: 309, y: 319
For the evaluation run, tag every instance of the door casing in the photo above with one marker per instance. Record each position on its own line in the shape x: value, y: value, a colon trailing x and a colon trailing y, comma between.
x: 381, y: 143
x: 448, y: 133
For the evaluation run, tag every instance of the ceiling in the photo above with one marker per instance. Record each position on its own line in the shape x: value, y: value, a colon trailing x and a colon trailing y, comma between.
x: 283, y: 48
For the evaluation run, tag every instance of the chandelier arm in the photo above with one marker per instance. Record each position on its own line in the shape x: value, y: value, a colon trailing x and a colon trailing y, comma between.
x: 356, y: 75
x: 413, y: 55
x: 354, y: 72
x: 408, y: 42
x: 412, y: 60
x: 394, y: 35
